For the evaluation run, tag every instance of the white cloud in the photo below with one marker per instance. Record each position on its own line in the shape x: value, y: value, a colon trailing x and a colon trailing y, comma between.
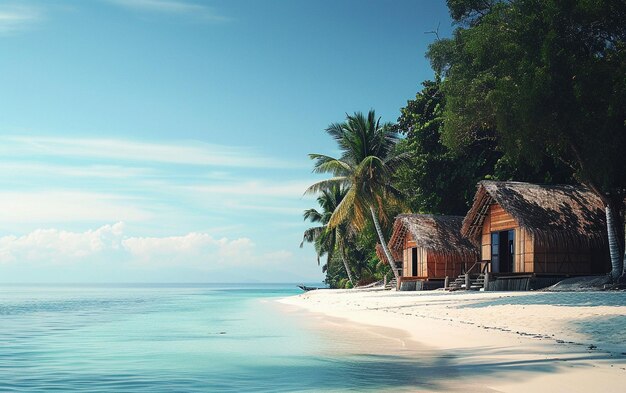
x: 196, y: 249
x: 195, y: 153
x: 172, y: 7
x: 58, y: 246
x: 69, y: 206
x: 110, y: 243
x: 17, y: 17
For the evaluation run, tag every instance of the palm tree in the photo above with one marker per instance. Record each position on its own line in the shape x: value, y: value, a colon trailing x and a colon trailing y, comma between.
x: 367, y: 163
x: 328, y: 240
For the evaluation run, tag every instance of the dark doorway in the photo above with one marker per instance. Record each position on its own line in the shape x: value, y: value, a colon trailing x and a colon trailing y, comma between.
x: 502, y: 251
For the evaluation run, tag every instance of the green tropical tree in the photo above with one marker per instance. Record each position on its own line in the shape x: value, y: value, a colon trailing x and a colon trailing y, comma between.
x: 368, y: 160
x: 328, y: 240
x: 548, y: 77
x: 442, y: 180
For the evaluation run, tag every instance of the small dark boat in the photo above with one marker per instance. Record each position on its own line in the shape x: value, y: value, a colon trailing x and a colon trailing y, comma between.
x: 306, y: 289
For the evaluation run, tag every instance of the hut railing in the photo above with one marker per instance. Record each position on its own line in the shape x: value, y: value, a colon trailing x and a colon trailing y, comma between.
x: 479, y: 267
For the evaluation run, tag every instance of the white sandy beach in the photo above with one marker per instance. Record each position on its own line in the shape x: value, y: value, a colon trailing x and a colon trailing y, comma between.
x: 499, y: 341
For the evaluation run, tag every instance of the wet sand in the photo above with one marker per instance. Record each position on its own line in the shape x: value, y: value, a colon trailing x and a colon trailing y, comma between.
x: 479, y: 342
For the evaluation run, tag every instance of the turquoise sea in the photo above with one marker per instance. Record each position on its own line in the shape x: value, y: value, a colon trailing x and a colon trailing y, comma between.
x: 182, y: 338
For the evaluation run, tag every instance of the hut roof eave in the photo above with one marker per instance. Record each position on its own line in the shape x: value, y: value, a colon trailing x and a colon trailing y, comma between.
x: 436, y: 233
x: 552, y: 213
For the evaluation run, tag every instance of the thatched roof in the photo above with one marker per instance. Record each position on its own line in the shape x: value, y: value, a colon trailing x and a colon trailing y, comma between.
x: 440, y: 234
x: 552, y: 213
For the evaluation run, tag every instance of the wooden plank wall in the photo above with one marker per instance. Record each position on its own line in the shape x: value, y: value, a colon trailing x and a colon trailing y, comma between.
x: 431, y: 265
x: 407, y: 265
x: 405, y: 262
x: 422, y: 264
x: 555, y: 259
x: 533, y: 258
x: 525, y: 247
x: 422, y: 258
x: 485, y: 249
x: 499, y: 220
x: 442, y: 265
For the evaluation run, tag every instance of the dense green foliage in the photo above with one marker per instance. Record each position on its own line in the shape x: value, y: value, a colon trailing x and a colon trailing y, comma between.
x: 549, y: 77
x: 348, y: 252
x: 369, y: 158
x: 367, y: 162
x: 529, y: 90
x: 442, y: 180
x: 363, y: 261
x: 329, y: 241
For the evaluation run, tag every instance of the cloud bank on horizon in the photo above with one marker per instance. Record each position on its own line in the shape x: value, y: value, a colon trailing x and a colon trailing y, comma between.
x: 110, y: 243
x: 153, y: 193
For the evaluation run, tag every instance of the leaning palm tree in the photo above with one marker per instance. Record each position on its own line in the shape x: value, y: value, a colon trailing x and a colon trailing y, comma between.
x: 328, y: 240
x: 367, y: 162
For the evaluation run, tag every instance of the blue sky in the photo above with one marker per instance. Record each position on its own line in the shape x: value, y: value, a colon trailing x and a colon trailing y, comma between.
x: 167, y: 140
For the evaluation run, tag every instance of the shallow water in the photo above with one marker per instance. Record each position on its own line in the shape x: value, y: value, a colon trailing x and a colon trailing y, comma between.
x: 192, y: 338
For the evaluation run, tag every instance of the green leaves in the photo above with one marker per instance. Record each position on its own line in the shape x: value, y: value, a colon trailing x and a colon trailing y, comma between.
x: 368, y: 159
x: 365, y: 168
x: 542, y: 78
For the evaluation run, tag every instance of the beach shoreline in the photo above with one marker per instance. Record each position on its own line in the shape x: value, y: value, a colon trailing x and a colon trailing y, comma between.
x: 500, y: 341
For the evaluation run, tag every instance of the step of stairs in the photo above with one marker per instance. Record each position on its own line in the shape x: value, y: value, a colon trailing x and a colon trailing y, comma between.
x: 477, y: 282
x: 392, y: 284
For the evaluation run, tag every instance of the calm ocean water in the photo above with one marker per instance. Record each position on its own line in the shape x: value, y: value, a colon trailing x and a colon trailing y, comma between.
x: 177, y: 338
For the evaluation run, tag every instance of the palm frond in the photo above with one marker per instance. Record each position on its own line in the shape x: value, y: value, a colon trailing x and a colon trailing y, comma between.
x: 343, y: 210
x: 326, y: 184
x: 312, y: 215
x: 327, y: 164
x: 310, y: 235
x: 335, y: 130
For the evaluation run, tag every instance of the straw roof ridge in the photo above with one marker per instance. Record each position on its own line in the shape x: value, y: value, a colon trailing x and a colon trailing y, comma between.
x: 552, y: 213
x: 436, y: 233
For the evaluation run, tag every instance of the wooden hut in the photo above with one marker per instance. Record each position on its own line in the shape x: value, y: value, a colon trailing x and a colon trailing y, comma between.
x: 431, y: 248
x: 539, y: 229
x: 397, y: 257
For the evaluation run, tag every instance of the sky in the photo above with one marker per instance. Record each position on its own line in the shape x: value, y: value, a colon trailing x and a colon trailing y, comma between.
x: 167, y: 140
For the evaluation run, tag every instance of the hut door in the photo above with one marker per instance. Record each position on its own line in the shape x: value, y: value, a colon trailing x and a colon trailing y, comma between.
x: 502, y: 251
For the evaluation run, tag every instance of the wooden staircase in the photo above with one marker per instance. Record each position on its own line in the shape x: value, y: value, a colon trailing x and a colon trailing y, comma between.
x: 392, y: 284
x: 475, y: 281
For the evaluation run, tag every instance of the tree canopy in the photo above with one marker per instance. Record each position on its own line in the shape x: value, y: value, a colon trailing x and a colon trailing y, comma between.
x: 548, y: 77
x: 526, y: 90
x: 442, y: 180
x: 368, y: 160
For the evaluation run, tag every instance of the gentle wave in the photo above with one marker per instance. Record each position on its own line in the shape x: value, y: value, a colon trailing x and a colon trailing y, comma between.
x: 173, y: 339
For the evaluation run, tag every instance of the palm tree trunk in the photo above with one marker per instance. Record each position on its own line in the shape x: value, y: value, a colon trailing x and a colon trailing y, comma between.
x: 346, y: 266
x: 383, y: 243
x: 616, y: 258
